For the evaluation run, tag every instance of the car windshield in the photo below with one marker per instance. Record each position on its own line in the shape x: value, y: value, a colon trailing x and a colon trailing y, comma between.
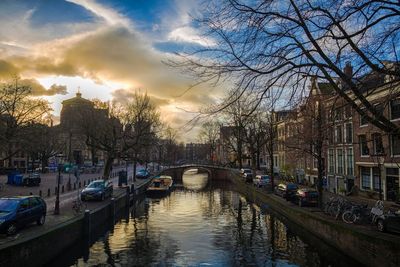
x: 96, y: 184
x: 7, y: 205
x: 264, y: 177
x: 247, y: 171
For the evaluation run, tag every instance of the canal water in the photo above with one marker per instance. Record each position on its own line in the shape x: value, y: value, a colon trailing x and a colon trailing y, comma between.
x: 204, y: 223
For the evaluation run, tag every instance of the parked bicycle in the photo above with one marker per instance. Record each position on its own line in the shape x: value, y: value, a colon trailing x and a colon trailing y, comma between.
x: 357, y: 214
x: 336, y: 206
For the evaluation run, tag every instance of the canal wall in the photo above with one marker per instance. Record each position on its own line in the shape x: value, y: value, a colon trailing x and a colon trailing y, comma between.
x: 367, y: 247
x: 41, y: 247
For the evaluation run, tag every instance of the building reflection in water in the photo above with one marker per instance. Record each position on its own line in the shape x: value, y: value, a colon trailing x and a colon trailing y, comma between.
x: 198, y: 224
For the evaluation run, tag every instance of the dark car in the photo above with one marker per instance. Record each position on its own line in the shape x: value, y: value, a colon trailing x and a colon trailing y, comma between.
x: 16, y: 212
x: 306, y: 197
x: 97, y: 190
x: 287, y: 191
x: 142, y: 174
x: 33, y: 179
x: 389, y: 222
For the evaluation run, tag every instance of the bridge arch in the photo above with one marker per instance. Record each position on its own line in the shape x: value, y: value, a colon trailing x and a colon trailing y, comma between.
x: 214, y: 172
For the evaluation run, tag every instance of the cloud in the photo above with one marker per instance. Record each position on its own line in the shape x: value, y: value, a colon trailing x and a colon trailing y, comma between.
x: 124, y: 95
x: 189, y: 35
x: 7, y: 69
x: 39, y: 90
x: 109, y: 15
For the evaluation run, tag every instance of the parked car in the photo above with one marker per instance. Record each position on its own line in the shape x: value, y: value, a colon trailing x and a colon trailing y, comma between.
x: 16, y: 212
x: 97, y: 190
x: 142, y: 174
x: 247, y: 175
x: 389, y: 222
x: 306, y: 197
x: 287, y: 191
x: 33, y: 179
x: 262, y: 180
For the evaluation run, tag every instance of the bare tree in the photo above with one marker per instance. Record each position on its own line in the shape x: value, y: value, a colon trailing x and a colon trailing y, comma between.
x: 142, y: 124
x: 41, y: 142
x: 273, y: 45
x: 17, y: 110
x: 209, y: 134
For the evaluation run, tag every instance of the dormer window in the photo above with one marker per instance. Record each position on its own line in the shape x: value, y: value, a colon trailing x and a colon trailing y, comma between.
x: 395, y: 109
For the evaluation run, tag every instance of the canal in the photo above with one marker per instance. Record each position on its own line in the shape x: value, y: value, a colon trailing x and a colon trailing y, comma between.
x: 202, y: 223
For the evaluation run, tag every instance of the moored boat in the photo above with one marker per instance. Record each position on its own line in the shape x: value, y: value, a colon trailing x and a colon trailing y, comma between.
x: 160, y: 185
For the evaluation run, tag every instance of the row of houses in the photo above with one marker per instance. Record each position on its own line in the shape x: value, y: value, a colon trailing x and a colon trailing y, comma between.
x: 355, y: 152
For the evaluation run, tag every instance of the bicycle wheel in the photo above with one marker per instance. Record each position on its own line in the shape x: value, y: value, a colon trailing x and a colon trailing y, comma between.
x: 349, y: 217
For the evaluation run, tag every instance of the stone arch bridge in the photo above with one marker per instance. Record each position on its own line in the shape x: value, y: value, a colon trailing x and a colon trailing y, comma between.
x: 214, y: 172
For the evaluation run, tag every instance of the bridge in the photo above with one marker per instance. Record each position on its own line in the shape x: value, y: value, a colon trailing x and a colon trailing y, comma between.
x: 214, y: 172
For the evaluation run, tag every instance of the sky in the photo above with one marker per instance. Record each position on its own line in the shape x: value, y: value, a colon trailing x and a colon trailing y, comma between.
x: 106, y: 49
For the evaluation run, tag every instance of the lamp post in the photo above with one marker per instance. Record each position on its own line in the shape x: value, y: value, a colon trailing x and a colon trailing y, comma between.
x: 59, y: 167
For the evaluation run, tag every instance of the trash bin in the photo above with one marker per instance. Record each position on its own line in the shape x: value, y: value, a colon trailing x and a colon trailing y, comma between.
x: 18, y: 179
x: 10, y: 178
x: 122, y: 178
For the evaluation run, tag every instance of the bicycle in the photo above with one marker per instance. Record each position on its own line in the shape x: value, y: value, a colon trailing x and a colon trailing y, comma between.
x: 78, y: 206
x: 357, y: 213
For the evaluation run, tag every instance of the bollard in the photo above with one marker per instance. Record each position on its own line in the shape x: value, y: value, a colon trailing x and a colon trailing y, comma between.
x: 40, y: 193
x: 84, y: 183
x: 79, y: 185
x: 48, y: 192
x: 133, y: 190
x: 127, y: 196
x: 86, y: 222
x: 30, y: 193
x: 62, y: 189
x: 112, y: 210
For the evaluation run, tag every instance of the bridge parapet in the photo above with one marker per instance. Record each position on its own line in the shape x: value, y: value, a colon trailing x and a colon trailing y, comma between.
x: 214, y: 172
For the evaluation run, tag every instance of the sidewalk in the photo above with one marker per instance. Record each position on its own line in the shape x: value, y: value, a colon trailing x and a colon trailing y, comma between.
x: 66, y: 211
x: 49, y: 181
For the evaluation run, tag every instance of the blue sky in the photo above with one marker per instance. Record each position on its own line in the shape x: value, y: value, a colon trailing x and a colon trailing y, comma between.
x: 107, y: 48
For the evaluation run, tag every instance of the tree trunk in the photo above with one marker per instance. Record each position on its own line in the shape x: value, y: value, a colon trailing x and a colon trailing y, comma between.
x: 108, y: 167
x: 239, y: 152
x: 45, y: 163
x: 134, y: 169
x: 258, y: 159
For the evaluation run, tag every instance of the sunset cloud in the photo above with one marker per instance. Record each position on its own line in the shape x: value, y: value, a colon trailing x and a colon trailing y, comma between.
x: 105, y: 47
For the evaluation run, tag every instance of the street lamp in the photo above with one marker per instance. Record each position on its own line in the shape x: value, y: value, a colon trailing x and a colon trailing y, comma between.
x: 59, y: 167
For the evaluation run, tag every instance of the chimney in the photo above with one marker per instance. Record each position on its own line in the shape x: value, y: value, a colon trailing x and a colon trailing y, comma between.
x: 348, y: 69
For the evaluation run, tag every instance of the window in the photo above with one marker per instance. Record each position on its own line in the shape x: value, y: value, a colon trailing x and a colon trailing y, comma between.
x: 347, y: 112
x: 395, y: 109
x: 375, y: 173
x: 349, y: 133
x: 339, y: 136
x: 331, y: 159
x: 380, y: 108
x: 378, y: 145
x: 363, y: 145
x: 395, y: 143
x: 330, y: 137
x: 339, y: 161
x: 363, y: 120
x: 365, y: 178
x: 350, y: 160
x: 338, y: 114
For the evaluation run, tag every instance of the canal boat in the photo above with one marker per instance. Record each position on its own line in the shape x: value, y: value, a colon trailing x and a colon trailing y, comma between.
x: 160, y: 185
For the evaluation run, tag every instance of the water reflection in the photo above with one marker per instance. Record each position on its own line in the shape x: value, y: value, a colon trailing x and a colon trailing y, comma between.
x: 194, y: 179
x: 214, y: 227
